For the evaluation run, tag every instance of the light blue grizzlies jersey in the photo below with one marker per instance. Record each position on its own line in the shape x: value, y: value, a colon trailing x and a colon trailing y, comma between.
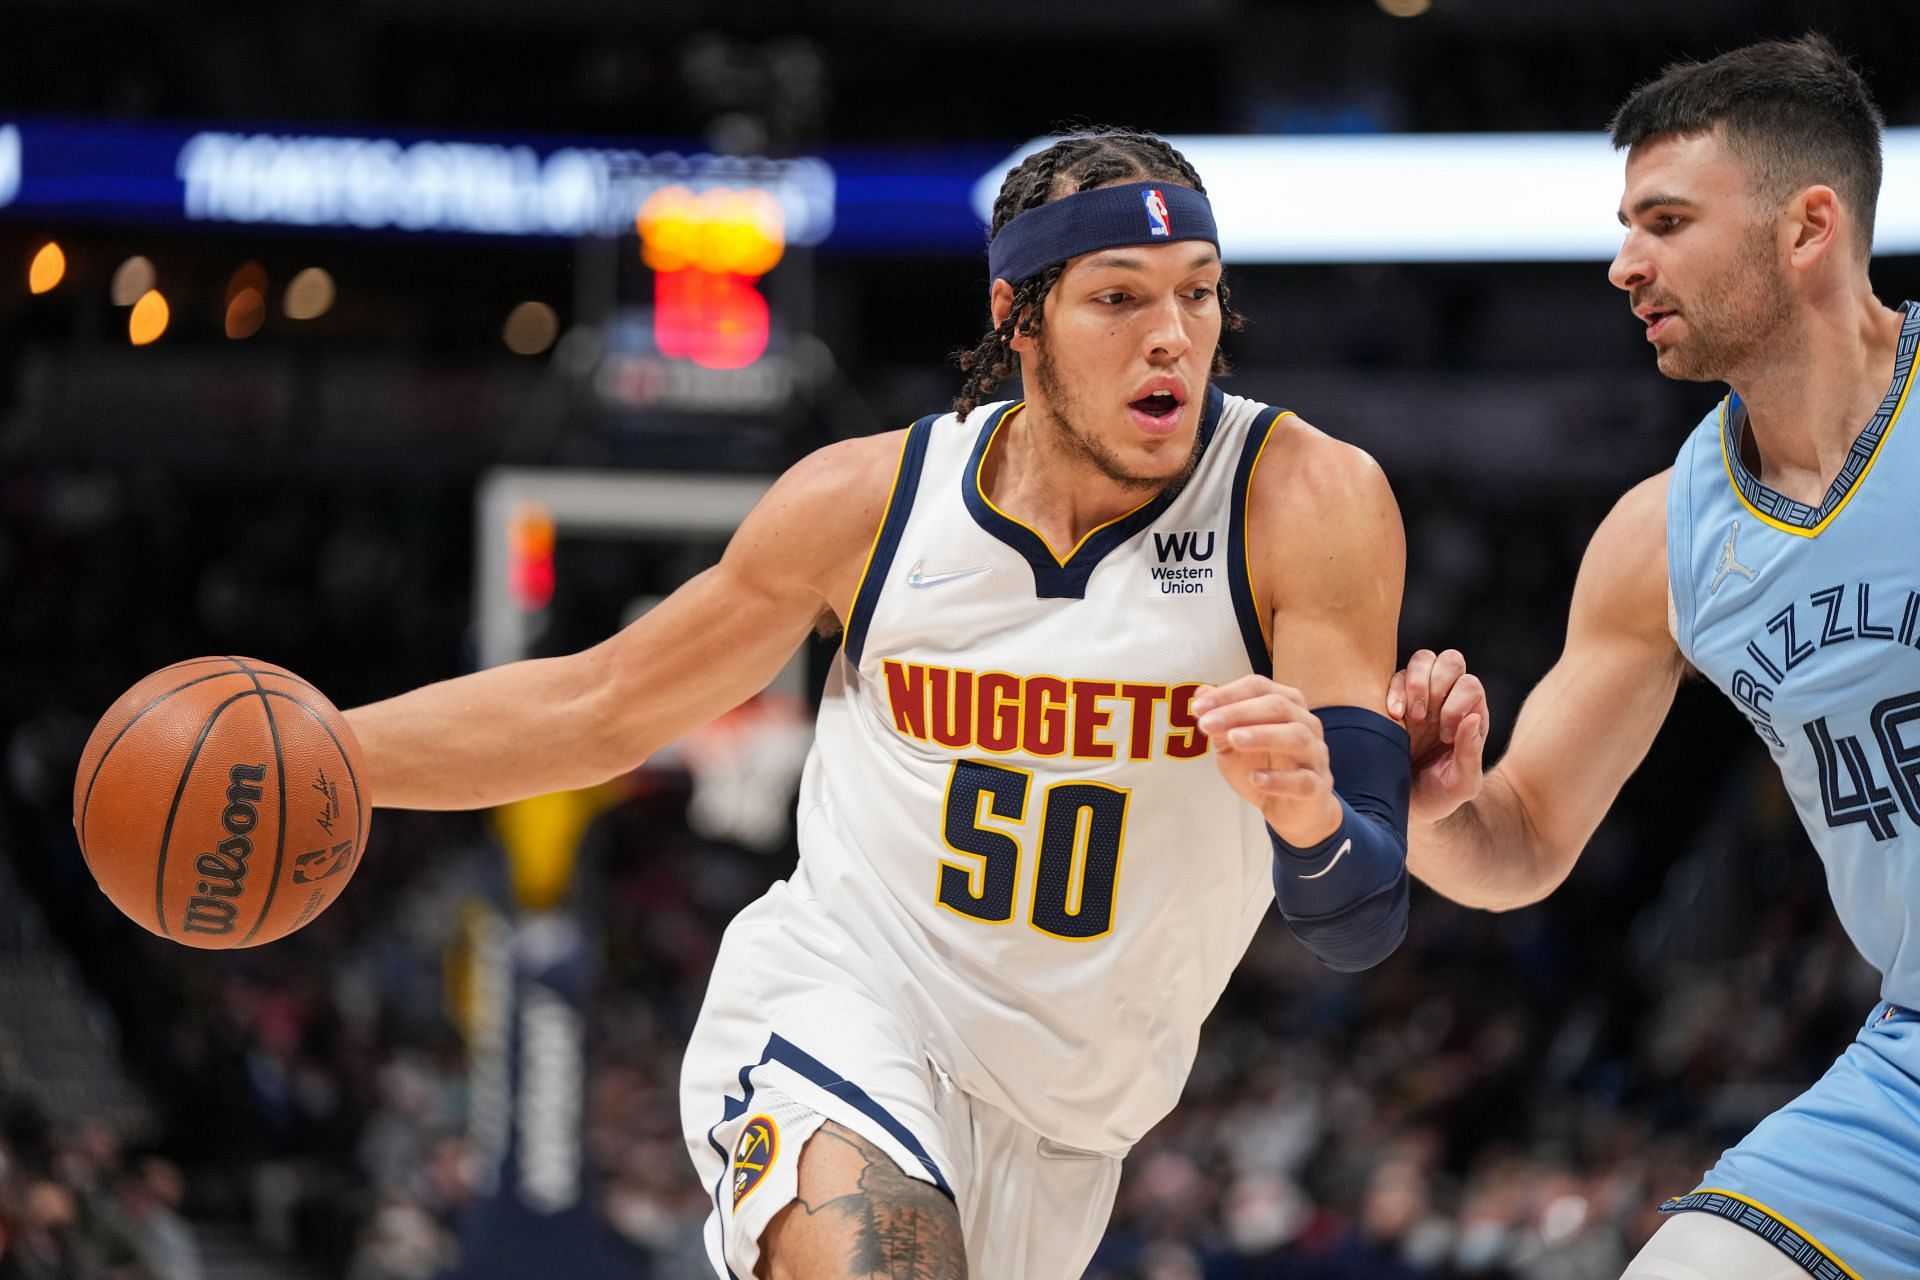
x: 1808, y: 618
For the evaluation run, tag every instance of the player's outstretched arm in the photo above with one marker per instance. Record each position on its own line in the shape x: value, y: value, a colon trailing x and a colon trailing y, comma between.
x: 1311, y: 748
x: 1509, y: 840
x: 554, y: 724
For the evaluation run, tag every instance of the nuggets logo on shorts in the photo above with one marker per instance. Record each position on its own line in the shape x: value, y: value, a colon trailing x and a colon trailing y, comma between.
x: 1159, y: 220
x: 753, y: 1155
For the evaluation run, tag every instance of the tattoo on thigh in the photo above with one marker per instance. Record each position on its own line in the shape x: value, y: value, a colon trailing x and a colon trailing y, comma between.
x: 903, y: 1228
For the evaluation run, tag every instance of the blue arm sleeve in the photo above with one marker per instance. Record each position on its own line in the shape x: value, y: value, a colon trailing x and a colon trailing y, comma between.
x: 1346, y: 898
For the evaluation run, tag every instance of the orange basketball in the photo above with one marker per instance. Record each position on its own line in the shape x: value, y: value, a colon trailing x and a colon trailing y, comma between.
x: 218, y: 802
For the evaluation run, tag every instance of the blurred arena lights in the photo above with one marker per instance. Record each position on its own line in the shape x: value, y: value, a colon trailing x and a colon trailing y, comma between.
x: 530, y: 537
x: 246, y: 312
x: 309, y: 294
x: 530, y: 329
x: 708, y: 251
x: 717, y: 321
x: 1279, y: 199
x: 248, y: 275
x: 149, y: 318
x: 246, y: 301
x: 476, y: 187
x: 48, y: 268
x: 739, y: 231
x: 1468, y: 197
x: 131, y: 281
x: 9, y: 163
x: 1405, y: 8
x: 579, y: 351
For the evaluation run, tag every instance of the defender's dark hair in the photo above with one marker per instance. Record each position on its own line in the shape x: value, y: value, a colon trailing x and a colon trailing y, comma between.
x: 1795, y: 111
x: 1078, y: 162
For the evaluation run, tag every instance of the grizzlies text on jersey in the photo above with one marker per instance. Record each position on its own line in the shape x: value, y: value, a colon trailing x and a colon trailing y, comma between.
x: 1809, y: 620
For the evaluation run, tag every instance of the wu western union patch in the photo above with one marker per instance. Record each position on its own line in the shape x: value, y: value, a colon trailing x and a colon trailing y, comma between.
x: 753, y: 1155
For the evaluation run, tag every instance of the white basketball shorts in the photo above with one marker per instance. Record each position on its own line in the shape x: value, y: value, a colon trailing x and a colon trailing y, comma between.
x: 793, y: 1034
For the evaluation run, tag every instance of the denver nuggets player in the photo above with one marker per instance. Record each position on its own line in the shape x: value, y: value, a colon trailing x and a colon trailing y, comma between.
x: 1054, y: 787
x: 1777, y: 557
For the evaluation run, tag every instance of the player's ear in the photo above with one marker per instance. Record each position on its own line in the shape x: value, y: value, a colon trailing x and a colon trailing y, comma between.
x: 1813, y: 214
x: 1000, y: 302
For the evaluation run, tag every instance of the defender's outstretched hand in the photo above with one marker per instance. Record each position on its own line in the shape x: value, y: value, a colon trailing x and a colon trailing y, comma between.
x: 1444, y: 708
x: 1272, y: 750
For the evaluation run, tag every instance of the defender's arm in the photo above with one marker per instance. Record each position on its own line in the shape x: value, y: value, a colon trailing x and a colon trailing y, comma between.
x: 1581, y: 733
x: 553, y: 724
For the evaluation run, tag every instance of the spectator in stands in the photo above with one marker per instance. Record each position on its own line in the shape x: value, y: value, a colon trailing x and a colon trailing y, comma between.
x: 150, y: 1199
x: 49, y: 1245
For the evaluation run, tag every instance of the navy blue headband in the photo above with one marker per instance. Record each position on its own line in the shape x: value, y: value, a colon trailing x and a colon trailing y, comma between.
x: 1104, y: 218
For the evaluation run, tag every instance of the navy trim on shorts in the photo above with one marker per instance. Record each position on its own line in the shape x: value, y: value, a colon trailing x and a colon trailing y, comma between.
x: 1788, y: 1239
x: 906, y: 483
x: 1239, y: 572
x: 1052, y: 578
x: 793, y: 1057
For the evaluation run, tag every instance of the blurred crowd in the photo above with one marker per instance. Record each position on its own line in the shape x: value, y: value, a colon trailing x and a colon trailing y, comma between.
x: 75, y: 1206
x: 1508, y: 1097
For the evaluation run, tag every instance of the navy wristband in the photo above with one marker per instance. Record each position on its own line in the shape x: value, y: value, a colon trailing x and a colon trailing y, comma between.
x: 1346, y: 898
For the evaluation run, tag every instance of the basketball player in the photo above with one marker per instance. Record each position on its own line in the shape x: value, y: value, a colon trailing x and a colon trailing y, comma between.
x: 1777, y: 557
x: 1054, y: 786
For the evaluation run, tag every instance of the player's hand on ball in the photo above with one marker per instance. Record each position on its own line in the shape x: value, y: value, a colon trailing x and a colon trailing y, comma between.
x: 1444, y: 708
x: 1271, y: 750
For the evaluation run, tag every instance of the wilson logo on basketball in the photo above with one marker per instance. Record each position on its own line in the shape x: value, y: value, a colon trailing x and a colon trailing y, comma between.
x: 753, y: 1155
x: 224, y: 871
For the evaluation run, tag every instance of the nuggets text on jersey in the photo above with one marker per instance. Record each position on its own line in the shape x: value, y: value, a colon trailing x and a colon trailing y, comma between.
x: 1043, y: 716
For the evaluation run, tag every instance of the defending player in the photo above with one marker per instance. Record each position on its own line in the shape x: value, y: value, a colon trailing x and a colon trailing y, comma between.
x: 1053, y: 788
x: 1777, y: 557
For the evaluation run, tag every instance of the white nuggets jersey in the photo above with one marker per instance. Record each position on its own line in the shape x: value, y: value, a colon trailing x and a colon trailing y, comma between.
x: 1809, y: 620
x: 1009, y: 805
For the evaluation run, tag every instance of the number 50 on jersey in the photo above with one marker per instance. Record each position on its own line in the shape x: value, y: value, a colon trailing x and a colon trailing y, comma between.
x: 1081, y: 835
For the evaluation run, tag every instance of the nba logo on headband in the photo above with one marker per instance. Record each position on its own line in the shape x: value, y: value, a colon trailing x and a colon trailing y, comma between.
x: 1088, y: 221
x: 1159, y: 222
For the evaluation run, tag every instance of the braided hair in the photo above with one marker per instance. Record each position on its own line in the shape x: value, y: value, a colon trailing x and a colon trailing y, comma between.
x: 1078, y: 162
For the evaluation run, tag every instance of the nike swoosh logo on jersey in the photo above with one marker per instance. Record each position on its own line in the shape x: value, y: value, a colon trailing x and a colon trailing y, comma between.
x: 1339, y: 853
x: 919, y: 577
